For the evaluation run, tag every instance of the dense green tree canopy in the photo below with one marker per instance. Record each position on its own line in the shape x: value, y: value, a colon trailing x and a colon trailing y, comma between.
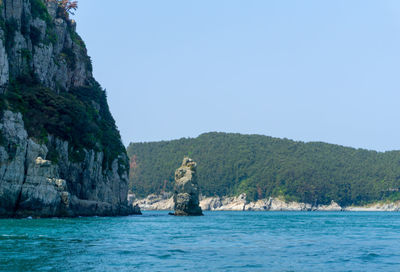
x: 261, y: 166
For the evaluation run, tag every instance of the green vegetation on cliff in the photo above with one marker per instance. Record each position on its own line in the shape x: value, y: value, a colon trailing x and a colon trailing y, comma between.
x: 61, y: 154
x: 261, y: 166
x: 57, y: 96
x: 80, y: 116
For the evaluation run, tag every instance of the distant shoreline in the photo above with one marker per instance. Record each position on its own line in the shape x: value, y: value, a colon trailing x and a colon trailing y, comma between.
x: 239, y: 203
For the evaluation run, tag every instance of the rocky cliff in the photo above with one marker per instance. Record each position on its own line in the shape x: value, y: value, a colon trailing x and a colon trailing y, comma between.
x: 60, y: 151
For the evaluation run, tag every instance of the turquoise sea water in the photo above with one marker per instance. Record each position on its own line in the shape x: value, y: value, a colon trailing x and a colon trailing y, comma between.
x: 218, y: 241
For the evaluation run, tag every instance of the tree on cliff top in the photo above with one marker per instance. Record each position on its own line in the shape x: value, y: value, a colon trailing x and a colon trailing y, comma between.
x: 67, y: 6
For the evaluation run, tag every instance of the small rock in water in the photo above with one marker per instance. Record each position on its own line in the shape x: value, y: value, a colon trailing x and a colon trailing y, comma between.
x: 186, y: 191
x: 136, y: 209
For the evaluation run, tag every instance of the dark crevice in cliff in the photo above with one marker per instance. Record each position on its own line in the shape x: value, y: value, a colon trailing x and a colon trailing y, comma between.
x: 47, y: 75
x: 26, y: 165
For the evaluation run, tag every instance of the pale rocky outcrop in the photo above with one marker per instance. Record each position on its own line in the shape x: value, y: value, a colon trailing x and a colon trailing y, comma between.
x: 331, y: 207
x: 210, y: 203
x: 232, y: 203
x: 42, y: 189
x: 259, y: 205
x: 238, y: 203
x: 277, y: 204
x: 156, y: 202
x: 186, y: 191
x: 376, y: 207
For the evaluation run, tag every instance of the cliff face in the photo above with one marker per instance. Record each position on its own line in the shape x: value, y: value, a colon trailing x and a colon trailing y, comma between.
x: 38, y: 38
x: 60, y: 151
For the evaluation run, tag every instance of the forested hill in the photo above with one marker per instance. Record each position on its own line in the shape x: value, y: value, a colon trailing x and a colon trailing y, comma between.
x: 261, y: 166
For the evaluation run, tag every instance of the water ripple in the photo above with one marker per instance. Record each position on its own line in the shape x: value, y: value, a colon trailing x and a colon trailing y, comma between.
x: 219, y: 241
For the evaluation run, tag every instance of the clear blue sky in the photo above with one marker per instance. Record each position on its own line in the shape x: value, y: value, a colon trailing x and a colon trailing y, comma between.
x: 305, y: 70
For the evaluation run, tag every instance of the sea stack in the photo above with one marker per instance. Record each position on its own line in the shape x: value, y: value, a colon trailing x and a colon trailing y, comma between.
x: 186, y: 191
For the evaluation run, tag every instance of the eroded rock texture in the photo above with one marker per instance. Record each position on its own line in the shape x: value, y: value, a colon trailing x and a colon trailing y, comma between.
x: 186, y: 191
x: 60, y: 152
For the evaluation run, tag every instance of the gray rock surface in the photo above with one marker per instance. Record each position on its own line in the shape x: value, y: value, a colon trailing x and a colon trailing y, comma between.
x: 186, y: 191
x: 155, y: 202
x: 56, y: 55
x: 376, y: 207
x: 239, y: 203
x: 32, y: 186
x: 45, y: 45
x: 3, y: 64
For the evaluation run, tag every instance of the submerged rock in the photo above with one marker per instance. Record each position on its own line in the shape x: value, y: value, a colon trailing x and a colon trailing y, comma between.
x: 186, y: 191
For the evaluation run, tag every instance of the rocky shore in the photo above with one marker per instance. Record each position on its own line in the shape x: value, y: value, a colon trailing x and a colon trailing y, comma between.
x: 164, y: 202
x: 239, y: 203
x: 376, y: 207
